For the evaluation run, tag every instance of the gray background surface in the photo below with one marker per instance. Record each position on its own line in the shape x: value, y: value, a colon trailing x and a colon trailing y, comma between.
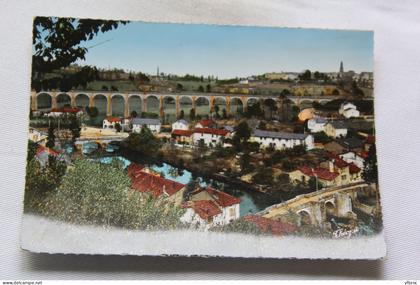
x: 397, y: 89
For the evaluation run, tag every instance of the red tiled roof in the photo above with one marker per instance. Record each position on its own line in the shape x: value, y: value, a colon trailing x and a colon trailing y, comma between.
x: 133, y: 169
x: 65, y: 110
x: 222, y: 198
x: 207, y: 123
x: 113, y: 119
x: 211, y: 131
x: 205, y: 208
x: 363, y: 154
x: 145, y: 182
x: 50, y: 151
x: 353, y: 168
x: 271, y: 226
x: 338, y: 161
x: 321, y: 173
x: 182, y: 133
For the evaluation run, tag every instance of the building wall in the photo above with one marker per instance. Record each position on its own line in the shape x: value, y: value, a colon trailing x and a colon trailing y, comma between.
x: 179, y: 126
x: 280, y: 144
x: 333, y: 132
x: 315, y: 127
x: 207, y: 138
x: 153, y: 128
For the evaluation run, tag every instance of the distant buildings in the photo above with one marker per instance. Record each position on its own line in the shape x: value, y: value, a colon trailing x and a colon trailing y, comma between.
x: 348, y: 110
x: 110, y: 122
x: 144, y: 181
x: 281, y: 140
x: 208, y: 136
x: 317, y: 124
x: 180, y: 125
x: 208, y: 207
x: 154, y: 125
x: 336, y: 129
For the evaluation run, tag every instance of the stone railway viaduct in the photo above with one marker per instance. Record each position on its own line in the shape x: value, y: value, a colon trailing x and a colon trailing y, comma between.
x: 314, y: 207
x: 211, y: 99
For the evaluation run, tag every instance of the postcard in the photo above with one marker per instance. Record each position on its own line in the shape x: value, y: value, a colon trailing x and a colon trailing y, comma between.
x: 205, y: 140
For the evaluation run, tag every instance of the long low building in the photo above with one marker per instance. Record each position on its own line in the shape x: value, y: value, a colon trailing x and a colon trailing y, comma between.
x: 281, y: 140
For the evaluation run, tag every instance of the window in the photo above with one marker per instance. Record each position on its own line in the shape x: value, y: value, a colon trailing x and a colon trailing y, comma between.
x: 343, y: 177
x: 232, y: 212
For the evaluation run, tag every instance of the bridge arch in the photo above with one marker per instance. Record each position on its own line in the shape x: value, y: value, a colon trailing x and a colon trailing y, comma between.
x: 117, y: 105
x: 135, y: 104
x: 185, y: 105
x: 152, y: 104
x: 304, y: 217
x: 329, y: 207
x: 169, y: 107
x: 63, y: 100
x: 100, y: 101
x: 236, y: 105
x: 202, y: 106
x: 220, y: 103
x: 44, y: 100
x: 82, y: 100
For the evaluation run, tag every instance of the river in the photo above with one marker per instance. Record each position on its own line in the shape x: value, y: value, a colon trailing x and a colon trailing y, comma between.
x: 250, y: 202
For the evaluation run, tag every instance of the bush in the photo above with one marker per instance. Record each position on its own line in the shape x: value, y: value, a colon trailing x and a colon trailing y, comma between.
x: 95, y: 193
x: 239, y: 226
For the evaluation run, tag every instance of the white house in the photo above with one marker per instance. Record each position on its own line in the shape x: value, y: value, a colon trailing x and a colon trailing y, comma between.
x: 208, y: 207
x: 317, y: 124
x: 138, y: 123
x: 352, y: 157
x: 281, y: 140
x: 180, y: 125
x: 336, y: 129
x: 208, y: 136
x: 37, y: 136
x: 110, y: 122
x: 348, y: 110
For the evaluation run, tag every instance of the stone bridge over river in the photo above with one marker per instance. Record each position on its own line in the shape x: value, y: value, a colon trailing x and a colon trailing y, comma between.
x: 141, y: 102
x: 314, y: 207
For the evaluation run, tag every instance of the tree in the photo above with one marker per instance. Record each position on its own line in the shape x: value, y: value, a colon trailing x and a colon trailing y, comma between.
x: 264, y: 176
x: 57, y: 43
x: 192, y: 114
x: 50, y: 137
x: 144, y: 142
x: 104, y: 88
x: 108, y: 201
x: 262, y: 125
x: 244, y: 162
x: 224, y: 114
x: 181, y: 114
x: 118, y: 127
x: 242, y: 134
x: 179, y: 87
x: 208, y: 88
x: 74, y: 127
x: 200, y: 88
x: 370, y: 170
x: 306, y: 75
x: 239, y: 226
x: 92, y: 111
x: 134, y: 114
x: 41, y: 180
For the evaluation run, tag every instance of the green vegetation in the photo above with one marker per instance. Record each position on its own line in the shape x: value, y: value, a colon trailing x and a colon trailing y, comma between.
x: 95, y: 193
x: 370, y: 171
x: 239, y: 226
x: 144, y: 142
x: 51, y: 36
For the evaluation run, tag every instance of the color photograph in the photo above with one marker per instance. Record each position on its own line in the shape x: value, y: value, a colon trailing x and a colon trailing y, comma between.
x: 144, y: 135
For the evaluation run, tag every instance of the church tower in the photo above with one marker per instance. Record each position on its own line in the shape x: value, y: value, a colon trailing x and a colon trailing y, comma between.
x: 341, y: 68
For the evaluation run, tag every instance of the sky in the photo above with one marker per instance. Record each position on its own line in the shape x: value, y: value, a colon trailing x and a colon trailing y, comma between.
x: 228, y: 51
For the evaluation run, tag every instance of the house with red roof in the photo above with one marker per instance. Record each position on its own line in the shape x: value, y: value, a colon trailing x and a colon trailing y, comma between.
x: 208, y: 207
x: 145, y: 181
x: 348, y: 171
x: 324, y: 176
x: 206, y: 123
x: 209, y: 136
x: 56, y: 112
x: 181, y: 136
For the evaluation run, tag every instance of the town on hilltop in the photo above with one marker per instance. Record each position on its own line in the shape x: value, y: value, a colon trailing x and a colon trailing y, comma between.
x: 279, y: 153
